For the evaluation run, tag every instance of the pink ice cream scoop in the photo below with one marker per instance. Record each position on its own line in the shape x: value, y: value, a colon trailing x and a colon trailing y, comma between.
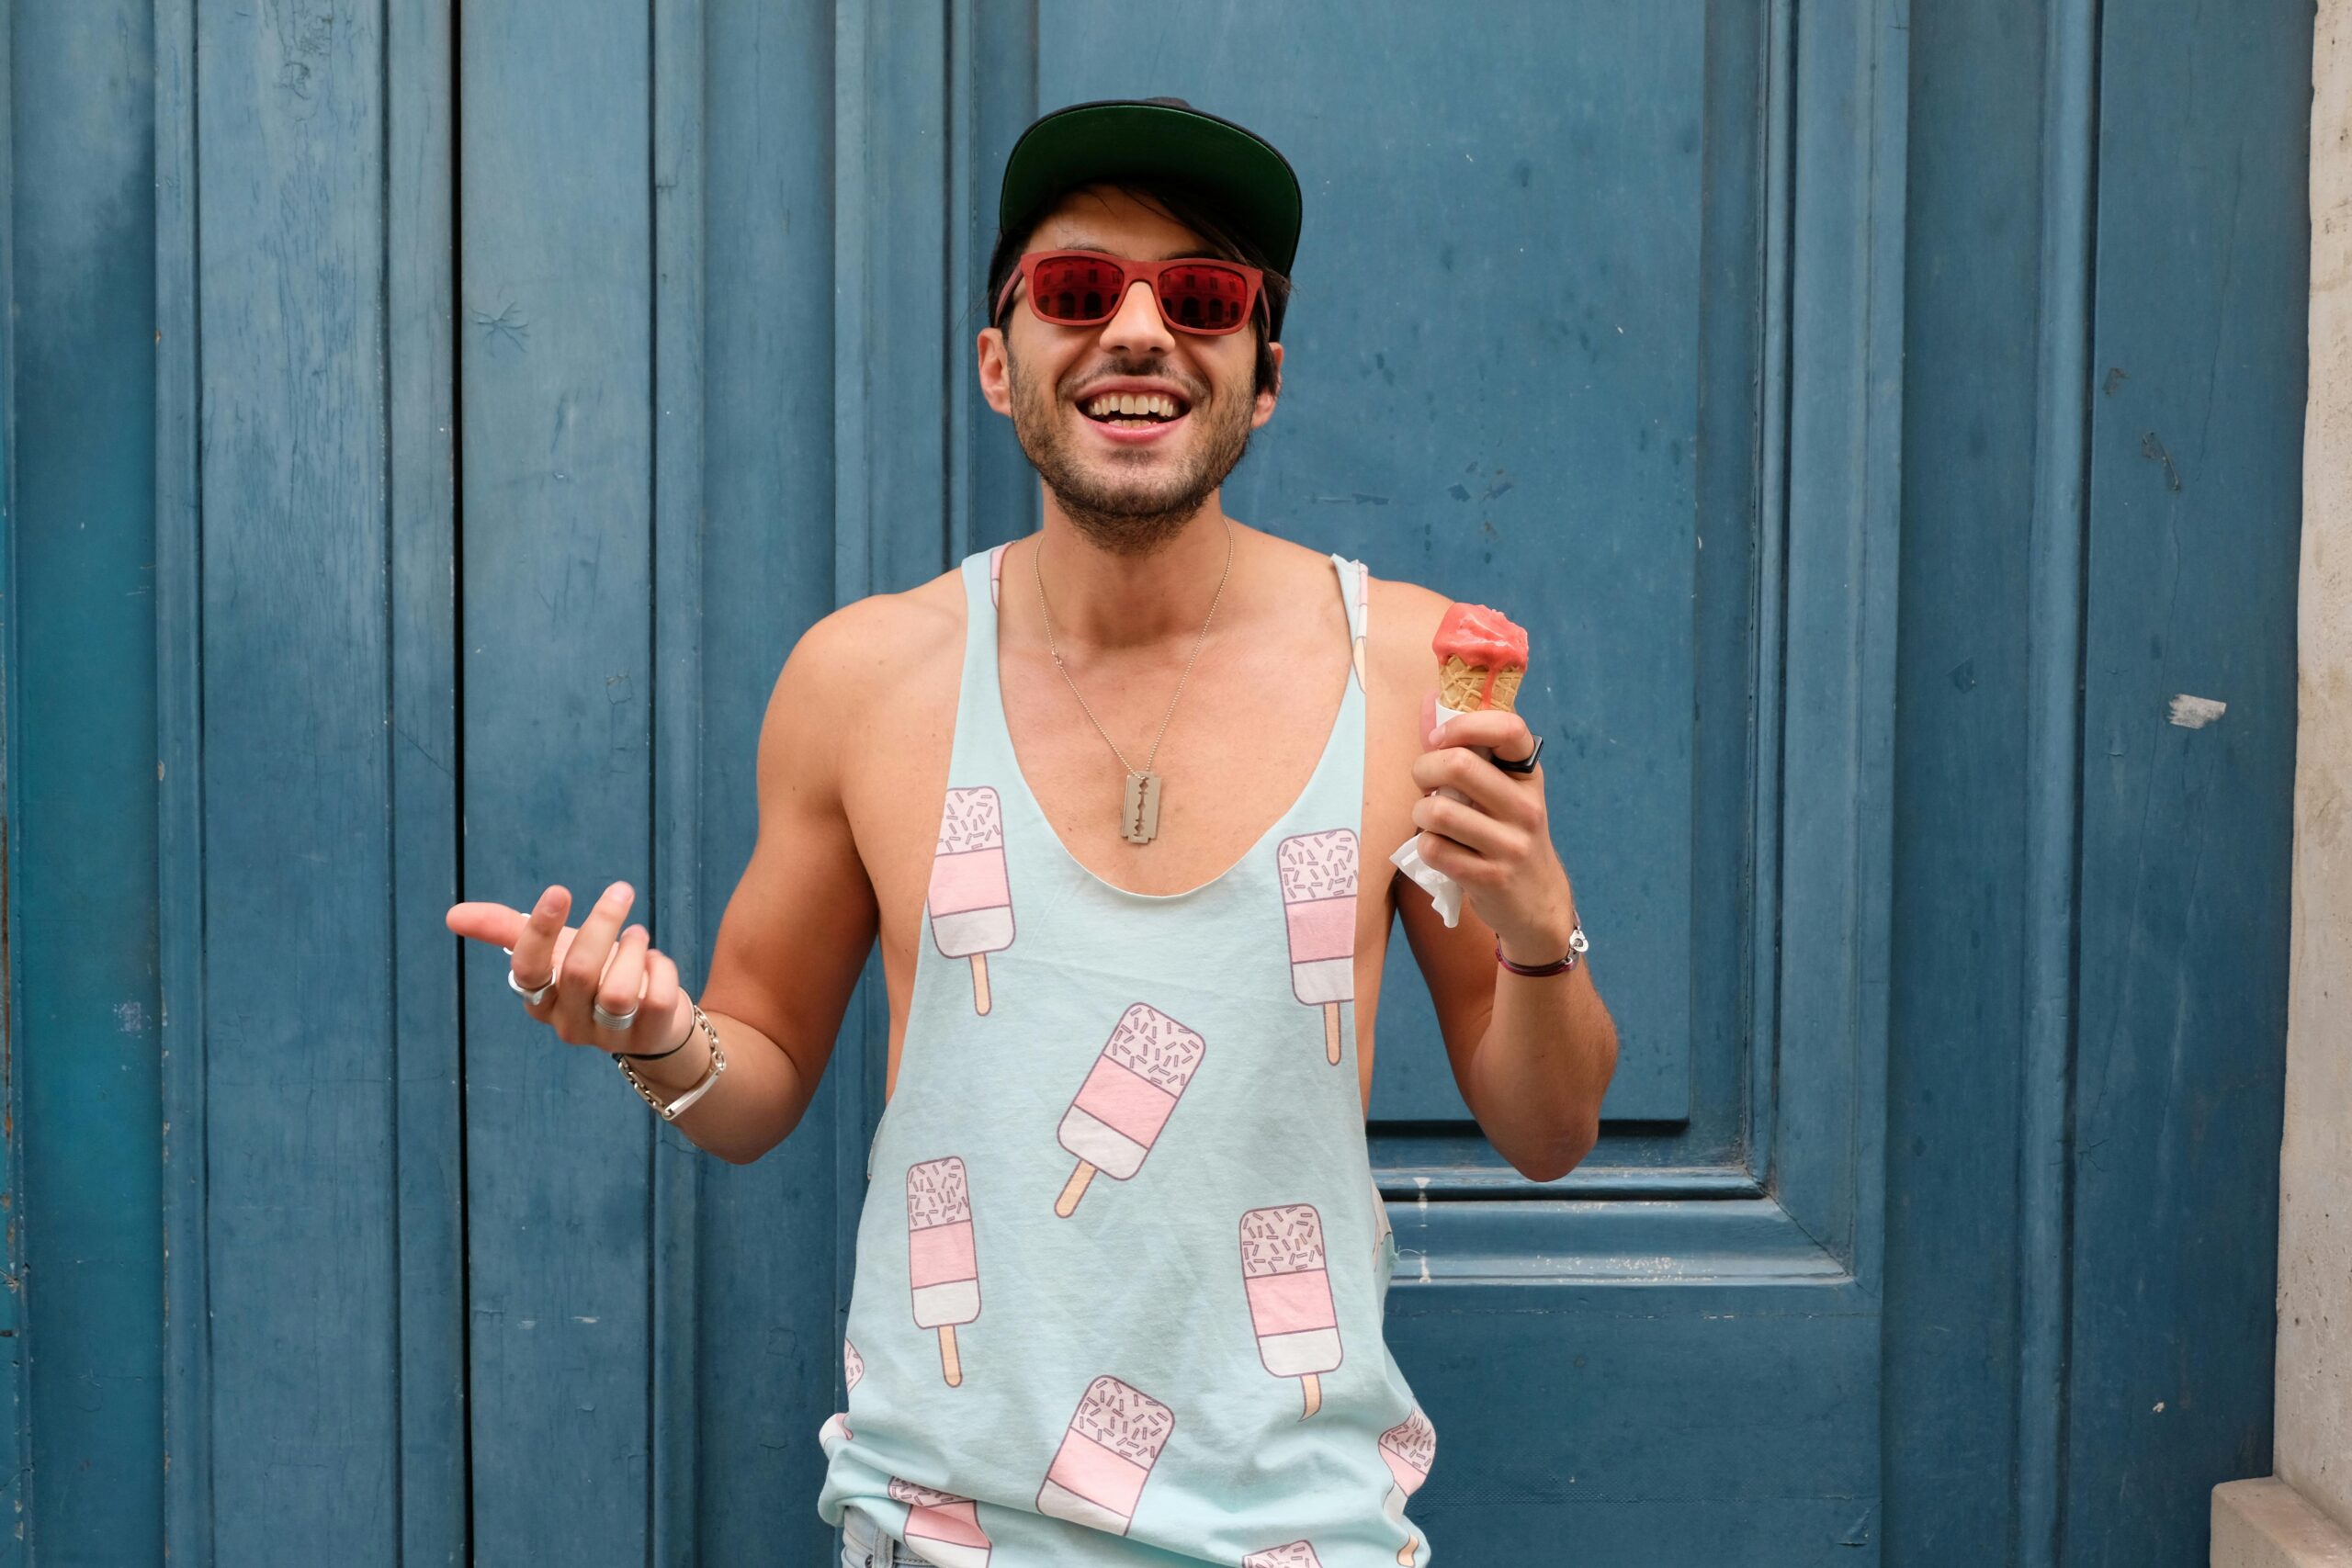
x: 941, y: 1264
x: 1106, y: 1456
x: 945, y: 1528
x: 1297, y: 1554
x: 1126, y: 1100
x: 970, y: 901
x: 1290, y: 1296
x: 1319, y: 878
x: 1408, y: 1446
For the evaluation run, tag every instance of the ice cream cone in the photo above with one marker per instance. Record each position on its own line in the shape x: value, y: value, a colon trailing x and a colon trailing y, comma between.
x: 1467, y: 687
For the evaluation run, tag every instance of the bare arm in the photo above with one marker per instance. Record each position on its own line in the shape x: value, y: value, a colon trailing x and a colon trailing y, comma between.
x: 797, y: 929
x: 1532, y: 1055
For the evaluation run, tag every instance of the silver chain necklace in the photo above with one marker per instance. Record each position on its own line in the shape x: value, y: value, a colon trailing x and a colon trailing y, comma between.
x: 1139, y: 814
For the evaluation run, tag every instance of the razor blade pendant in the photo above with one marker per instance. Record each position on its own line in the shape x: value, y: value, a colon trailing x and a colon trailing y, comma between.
x: 1139, y: 819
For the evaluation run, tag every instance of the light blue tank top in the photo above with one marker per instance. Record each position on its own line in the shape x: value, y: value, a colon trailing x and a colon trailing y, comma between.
x: 1120, y: 1263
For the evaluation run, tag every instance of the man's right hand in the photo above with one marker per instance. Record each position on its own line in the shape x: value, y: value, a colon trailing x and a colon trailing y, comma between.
x: 589, y: 967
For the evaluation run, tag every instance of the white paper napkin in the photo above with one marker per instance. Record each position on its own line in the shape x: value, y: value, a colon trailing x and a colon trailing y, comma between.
x: 1444, y: 891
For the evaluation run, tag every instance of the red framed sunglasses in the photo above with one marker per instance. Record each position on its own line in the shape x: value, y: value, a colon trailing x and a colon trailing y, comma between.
x: 1083, y: 288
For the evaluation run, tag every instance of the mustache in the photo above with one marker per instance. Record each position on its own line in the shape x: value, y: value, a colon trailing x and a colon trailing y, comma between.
x: 1194, y: 392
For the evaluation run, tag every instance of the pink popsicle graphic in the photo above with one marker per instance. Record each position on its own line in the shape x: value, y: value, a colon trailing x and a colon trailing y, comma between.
x: 852, y: 1368
x: 941, y: 1264
x: 1410, y: 1446
x: 1290, y: 1296
x: 945, y: 1528
x: 1318, y: 877
x: 1297, y: 1554
x: 1106, y: 1456
x: 1127, y: 1098
x: 970, y: 901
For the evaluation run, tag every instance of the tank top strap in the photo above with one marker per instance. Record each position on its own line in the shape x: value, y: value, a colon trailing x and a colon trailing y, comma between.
x: 1355, y: 591
x: 983, y: 746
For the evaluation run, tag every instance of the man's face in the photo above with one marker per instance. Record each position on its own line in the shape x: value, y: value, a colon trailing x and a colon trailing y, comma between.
x: 1128, y: 481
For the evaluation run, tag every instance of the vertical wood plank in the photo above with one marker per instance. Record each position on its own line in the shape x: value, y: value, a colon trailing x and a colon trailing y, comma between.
x: 769, y: 1359
x: 675, y: 910
x: 78, y: 861
x: 299, y: 848
x: 421, y: 384
x: 992, y: 98
x: 1845, y: 338
x: 2196, y: 501
x: 2047, y: 979
x: 15, y: 1411
x: 1987, y: 213
x: 556, y: 375
x: 179, y: 746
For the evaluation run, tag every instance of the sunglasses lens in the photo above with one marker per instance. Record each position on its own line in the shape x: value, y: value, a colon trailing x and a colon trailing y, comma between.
x: 1075, y: 289
x: 1204, y: 298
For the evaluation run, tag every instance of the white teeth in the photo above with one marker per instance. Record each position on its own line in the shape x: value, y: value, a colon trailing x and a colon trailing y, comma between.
x: 1115, y: 404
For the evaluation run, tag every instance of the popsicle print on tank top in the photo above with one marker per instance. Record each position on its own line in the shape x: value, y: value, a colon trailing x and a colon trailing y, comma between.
x: 1127, y: 1098
x: 942, y: 1526
x: 1410, y: 1447
x: 1297, y: 1554
x: 1285, y: 1275
x: 970, y: 901
x: 1318, y: 880
x: 1106, y: 1456
x: 836, y: 1427
x: 943, y: 1267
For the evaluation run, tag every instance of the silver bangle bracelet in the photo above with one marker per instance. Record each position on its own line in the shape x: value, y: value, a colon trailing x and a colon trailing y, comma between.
x: 674, y: 1109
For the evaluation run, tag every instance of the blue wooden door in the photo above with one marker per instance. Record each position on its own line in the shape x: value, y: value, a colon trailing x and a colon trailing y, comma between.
x: 1878, y: 415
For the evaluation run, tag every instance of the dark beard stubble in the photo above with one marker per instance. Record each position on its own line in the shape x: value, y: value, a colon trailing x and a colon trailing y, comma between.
x: 1136, y: 515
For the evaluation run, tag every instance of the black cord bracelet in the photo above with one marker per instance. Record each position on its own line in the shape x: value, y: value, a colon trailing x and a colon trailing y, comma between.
x: 657, y: 1056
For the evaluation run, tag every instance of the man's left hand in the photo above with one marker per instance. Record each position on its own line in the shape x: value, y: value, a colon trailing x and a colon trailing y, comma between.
x: 1496, y: 841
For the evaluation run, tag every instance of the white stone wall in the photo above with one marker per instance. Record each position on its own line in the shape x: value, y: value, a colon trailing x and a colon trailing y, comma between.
x: 2305, y: 1515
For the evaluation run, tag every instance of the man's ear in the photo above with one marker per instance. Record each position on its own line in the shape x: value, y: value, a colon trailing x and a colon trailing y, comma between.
x: 996, y: 384
x: 1268, y: 395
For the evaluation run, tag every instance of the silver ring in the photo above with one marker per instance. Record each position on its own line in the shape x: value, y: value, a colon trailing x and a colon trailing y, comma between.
x: 534, y: 998
x: 611, y: 1020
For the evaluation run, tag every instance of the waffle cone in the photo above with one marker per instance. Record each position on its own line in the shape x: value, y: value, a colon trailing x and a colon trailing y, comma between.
x: 1459, y: 683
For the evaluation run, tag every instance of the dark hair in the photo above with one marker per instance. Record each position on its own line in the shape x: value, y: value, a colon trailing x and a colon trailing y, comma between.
x: 1186, y: 206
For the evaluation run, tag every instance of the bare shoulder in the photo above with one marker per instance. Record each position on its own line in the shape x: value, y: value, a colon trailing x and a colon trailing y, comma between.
x: 1400, y: 620
x: 1405, y: 616
x: 888, y: 657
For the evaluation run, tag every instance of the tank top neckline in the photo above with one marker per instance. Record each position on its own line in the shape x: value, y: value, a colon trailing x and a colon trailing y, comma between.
x: 982, y: 640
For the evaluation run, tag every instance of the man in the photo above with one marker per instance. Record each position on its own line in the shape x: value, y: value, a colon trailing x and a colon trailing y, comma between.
x: 1117, y: 799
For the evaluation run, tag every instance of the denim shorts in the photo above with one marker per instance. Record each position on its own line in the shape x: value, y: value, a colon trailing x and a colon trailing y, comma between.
x: 863, y: 1546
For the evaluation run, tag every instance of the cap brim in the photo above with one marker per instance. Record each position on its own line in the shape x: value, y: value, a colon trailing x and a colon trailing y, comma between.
x: 1251, y: 182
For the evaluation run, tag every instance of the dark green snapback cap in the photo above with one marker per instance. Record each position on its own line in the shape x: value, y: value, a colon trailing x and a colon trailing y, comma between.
x: 1251, y: 184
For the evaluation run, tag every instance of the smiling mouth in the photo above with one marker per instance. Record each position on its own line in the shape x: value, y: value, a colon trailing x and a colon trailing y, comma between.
x: 1134, y: 411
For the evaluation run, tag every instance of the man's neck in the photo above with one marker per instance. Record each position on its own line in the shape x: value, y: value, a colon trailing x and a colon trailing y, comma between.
x: 1106, y: 600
